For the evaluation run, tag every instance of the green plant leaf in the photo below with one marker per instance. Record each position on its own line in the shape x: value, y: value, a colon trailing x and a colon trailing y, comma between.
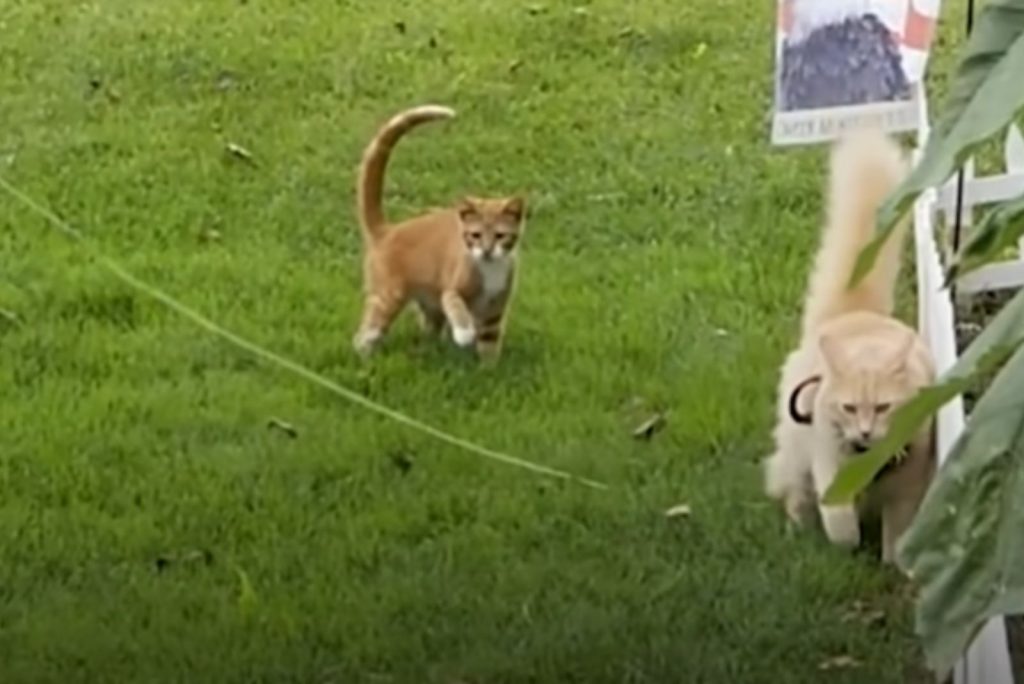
x: 964, y: 549
x: 985, y: 95
x: 1001, y: 228
x: 998, y: 342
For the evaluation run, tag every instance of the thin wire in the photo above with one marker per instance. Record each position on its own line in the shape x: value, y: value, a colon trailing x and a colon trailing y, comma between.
x: 296, y: 368
x: 957, y: 218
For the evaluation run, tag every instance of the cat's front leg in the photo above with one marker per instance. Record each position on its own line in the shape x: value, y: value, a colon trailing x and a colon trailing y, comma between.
x: 489, y: 339
x: 461, y: 320
x: 841, y: 523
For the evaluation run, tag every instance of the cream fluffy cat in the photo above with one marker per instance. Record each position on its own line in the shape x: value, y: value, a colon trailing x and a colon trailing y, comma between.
x: 855, y: 363
x: 458, y: 265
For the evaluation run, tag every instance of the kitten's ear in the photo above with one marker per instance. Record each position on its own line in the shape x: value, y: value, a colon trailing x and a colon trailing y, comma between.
x: 467, y: 209
x: 902, y: 356
x: 832, y: 352
x: 515, y: 208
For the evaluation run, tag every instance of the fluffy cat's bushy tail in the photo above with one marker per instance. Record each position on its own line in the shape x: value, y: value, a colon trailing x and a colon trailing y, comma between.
x: 375, y: 160
x: 865, y: 167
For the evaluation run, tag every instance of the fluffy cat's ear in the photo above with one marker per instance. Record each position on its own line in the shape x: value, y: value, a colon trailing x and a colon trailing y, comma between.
x: 832, y: 352
x: 902, y: 355
x: 467, y: 209
x: 515, y: 208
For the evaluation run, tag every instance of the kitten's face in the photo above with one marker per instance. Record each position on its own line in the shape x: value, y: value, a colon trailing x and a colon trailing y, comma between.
x: 865, y: 384
x: 491, y: 227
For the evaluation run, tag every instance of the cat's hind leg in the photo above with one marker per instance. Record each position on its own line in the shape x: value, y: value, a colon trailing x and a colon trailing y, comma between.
x: 379, y: 311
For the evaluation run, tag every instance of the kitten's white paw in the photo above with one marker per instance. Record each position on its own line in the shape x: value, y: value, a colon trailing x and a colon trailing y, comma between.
x: 842, y: 526
x: 463, y: 336
x: 364, y: 341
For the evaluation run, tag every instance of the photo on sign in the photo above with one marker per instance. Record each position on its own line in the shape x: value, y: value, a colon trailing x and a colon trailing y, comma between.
x: 845, y: 63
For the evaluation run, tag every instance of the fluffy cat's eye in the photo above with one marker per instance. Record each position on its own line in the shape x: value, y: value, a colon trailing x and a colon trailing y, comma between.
x: 500, y: 236
x: 849, y: 408
x: 475, y: 236
x: 882, y: 408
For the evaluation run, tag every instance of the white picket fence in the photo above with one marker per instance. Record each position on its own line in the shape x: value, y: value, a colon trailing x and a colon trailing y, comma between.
x: 987, y: 661
x: 979, y: 191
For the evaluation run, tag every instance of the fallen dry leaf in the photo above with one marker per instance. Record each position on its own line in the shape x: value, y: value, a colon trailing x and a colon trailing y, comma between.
x: 607, y: 197
x: 679, y: 511
x: 10, y: 317
x: 840, y: 662
x: 863, y: 613
x: 203, y: 555
x: 163, y: 562
x: 239, y: 152
x: 285, y: 427
x: 209, y: 235
x: 226, y: 80
x: 97, y: 85
x: 873, y: 618
x: 650, y: 427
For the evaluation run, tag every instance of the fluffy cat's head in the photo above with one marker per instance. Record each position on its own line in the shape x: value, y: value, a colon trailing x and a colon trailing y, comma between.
x: 491, y: 227
x: 867, y: 378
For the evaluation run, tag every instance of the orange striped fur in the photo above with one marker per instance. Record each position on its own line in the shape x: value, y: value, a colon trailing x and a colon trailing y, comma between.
x: 457, y: 264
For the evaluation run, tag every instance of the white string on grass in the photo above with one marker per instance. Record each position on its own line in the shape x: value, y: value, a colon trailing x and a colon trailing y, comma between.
x: 293, y: 366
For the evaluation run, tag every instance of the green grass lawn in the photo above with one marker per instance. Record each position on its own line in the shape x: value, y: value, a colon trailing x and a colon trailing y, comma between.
x: 155, y: 529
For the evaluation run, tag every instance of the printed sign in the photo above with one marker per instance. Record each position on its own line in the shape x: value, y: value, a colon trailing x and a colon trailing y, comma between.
x: 842, y: 64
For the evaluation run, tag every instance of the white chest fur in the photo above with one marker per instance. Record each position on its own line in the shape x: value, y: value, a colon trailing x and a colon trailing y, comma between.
x: 494, y: 276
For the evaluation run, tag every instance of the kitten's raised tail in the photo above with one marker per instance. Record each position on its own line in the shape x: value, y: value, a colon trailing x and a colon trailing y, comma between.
x: 375, y: 159
x: 865, y: 167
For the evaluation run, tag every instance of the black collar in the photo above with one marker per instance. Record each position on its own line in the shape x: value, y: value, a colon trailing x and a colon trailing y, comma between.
x: 794, y: 401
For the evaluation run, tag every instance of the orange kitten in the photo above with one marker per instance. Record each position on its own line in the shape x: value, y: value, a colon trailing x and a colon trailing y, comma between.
x: 456, y: 264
